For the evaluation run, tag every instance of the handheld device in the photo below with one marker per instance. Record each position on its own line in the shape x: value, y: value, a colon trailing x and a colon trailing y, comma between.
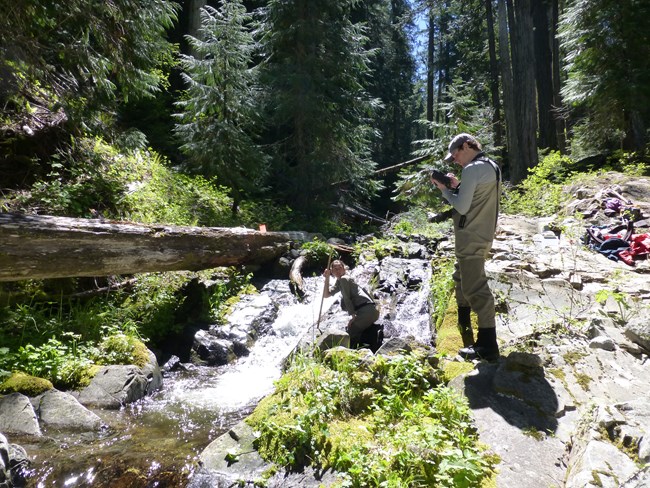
x: 441, y: 177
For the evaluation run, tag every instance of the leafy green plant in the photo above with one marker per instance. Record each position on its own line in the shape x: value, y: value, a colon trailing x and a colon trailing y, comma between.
x: 318, y: 251
x: 621, y: 299
x: 541, y: 192
x: 403, y: 227
x: 226, y: 291
x: 379, y: 422
x: 65, y: 364
x: 378, y: 248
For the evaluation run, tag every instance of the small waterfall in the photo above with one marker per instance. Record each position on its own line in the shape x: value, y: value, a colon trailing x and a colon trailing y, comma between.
x: 243, y: 383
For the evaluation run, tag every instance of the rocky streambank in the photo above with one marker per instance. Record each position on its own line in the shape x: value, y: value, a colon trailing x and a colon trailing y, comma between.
x: 567, y: 404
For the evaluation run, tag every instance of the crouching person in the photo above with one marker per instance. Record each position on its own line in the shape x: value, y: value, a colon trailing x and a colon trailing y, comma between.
x: 357, y: 302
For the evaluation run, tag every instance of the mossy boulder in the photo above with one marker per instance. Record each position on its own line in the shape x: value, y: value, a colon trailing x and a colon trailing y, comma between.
x: 26, y: 384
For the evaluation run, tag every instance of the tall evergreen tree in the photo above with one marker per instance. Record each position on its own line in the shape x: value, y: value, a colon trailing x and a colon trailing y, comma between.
x: 391, y: 80
x: 560, y: 120
x: 544, y: 74
x: 459, y: 63
x: 389, y: 27
x: 219, y: 119
x: 315, y: 65
x: 607, y: 46
x: 430, y: 67
x: 494, y: 75
x: 505, y: 68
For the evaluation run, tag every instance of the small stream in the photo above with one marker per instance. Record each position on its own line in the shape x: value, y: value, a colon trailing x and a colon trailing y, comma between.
x: 156, y: 441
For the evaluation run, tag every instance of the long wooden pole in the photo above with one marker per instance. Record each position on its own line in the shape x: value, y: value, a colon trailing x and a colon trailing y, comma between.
x: 320, y: 311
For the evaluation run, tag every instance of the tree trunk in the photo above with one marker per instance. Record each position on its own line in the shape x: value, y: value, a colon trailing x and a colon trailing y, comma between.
x: 194, y: 17
x: 430, y: 72
x: 42, y: 247
x: 560, y: 125
x: 506, y: 80
x: 544, y: 75
x: 494, y: 77
x: 523, y: 70
x: 444, y: 64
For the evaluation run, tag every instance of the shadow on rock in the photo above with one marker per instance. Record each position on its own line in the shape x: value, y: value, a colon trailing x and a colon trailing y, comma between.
x: 514, y: 388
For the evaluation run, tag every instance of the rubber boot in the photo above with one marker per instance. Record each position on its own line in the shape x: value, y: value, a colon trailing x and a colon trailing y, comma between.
x: 486, y: 346
x: 465, y: 326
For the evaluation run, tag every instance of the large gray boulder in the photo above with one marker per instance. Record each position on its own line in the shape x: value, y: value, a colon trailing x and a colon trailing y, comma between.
x: 223, y: 343
x: 211, y: 350
x: 63, y: 411
x: 231, y: 460
x: 17, y: 415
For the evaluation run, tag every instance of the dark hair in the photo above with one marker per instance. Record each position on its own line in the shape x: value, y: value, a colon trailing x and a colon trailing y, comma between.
x: 474, y: 145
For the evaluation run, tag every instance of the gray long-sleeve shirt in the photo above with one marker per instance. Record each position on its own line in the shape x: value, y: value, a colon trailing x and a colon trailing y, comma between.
x: 477, y: 199
x: 350, y: 294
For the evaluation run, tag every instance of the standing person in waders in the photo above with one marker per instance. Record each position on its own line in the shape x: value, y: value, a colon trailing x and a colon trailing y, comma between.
x: 475, y: 205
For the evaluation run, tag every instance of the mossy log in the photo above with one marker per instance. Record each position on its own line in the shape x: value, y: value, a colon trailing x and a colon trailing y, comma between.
x: 43, y: 247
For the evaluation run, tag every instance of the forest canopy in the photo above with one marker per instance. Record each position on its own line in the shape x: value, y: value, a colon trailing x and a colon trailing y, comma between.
x: 302, y: 105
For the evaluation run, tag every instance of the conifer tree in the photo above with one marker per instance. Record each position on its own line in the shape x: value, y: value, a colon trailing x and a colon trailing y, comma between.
x: 218, y: 122
x: 607, y: 46
x: 389, y: 27
x: 314, y: 65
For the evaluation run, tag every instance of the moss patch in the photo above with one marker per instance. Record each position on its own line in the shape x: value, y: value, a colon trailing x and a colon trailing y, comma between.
x: 452, y: 369
x: 25, y: 384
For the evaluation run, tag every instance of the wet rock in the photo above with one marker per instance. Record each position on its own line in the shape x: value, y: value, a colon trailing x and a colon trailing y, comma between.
x: 332, y: 338
x: 172, y: 364
x: 13, y: 464
x: 211, y: 350
x: 63, y: 411
x: 17, y: 415
x: 400, y: 273
x: 117, y: 385
x: 282, y: 266
x: 231, y: 460
x: 232, y: 457
x: 251, y: 316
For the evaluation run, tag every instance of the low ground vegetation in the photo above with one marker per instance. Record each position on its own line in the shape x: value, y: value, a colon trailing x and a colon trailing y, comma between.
x: 378, y: 420
x: 65, y: 340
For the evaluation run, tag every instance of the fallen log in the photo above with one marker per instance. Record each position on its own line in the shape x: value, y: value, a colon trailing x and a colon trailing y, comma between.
x: 43, y: 247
